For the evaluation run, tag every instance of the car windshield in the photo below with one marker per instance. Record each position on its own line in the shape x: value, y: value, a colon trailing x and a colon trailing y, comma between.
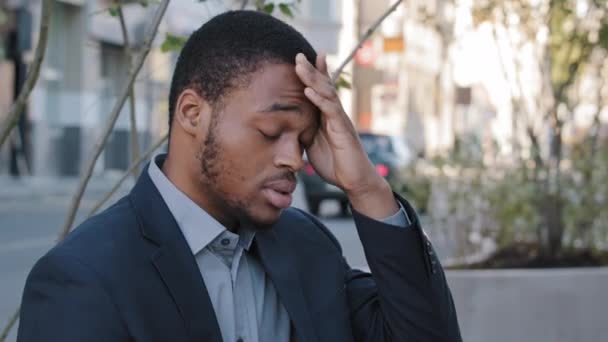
x: 376, y: 145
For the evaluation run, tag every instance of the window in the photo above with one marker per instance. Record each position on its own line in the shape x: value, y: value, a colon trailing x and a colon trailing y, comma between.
x: 321, y: 9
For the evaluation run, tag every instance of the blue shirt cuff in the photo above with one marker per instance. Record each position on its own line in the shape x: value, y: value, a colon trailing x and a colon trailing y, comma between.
x: 399, y: 219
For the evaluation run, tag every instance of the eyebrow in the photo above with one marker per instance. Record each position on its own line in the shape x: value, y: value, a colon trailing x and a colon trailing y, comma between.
x: 282, y: 107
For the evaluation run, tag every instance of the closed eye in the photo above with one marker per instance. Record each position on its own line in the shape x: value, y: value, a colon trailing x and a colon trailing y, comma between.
x: 271, y: 137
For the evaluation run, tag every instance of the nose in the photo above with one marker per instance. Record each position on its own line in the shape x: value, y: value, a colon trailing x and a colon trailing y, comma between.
x: 290, y: 155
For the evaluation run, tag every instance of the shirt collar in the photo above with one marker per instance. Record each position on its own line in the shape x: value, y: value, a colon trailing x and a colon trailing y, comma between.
x: 198, y: 227
x: 246, y: 237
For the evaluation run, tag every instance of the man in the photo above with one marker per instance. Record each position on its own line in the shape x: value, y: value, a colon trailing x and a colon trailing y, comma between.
x: 206, y: 248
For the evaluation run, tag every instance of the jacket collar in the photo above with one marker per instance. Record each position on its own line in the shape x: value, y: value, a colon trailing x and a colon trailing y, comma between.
x: 279, y: 263
x: 175, y: 262
x: 177, y: 267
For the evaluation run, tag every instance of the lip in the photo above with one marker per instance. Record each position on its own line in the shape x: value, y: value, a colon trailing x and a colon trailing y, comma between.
x: 282, y: 186
x: 279, y: 200
x: 278, y: 193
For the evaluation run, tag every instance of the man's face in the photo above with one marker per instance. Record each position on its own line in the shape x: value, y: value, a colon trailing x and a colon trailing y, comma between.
x: 255, y: 144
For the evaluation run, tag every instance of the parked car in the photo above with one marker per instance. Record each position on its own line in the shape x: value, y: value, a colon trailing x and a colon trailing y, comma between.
x: 388, y: 153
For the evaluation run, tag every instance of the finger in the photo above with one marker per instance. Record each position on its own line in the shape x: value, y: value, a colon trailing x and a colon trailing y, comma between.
x: 323, y: 87
x: 322, y: 64
x: 313, y: 78
x: 327, y: 106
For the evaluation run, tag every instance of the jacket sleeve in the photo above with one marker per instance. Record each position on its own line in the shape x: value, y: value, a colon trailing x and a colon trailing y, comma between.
x: 406, y: 297
x: 64, y: 300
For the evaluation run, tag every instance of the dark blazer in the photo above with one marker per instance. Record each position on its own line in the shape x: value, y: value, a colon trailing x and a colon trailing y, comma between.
x: 127, y: 274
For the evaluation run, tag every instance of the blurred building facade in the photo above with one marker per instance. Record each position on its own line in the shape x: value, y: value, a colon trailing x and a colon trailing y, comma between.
x: 85, y: 69
x: 427, y: 74
x: 406, y: 81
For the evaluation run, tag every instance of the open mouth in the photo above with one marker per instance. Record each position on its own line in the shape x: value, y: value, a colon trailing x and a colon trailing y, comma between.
x: 278, y: 198
x: 279, y: 192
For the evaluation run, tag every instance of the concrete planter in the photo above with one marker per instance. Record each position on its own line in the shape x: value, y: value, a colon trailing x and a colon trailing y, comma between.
x: 552, y: 305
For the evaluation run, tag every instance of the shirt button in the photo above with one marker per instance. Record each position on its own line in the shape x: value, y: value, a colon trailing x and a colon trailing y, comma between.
x: 226, y: 242
x: 239, y: 340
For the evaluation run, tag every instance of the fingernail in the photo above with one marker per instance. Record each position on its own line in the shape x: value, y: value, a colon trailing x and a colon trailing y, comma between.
x: 300, y: 57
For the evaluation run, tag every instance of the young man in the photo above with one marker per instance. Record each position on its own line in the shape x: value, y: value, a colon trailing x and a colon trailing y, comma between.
x: 206, y: 248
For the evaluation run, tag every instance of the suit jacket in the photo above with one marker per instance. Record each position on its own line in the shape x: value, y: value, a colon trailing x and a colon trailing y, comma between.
x: 127, y: 274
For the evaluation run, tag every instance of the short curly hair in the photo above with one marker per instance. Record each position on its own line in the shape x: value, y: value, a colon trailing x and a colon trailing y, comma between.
x: 223, y: 53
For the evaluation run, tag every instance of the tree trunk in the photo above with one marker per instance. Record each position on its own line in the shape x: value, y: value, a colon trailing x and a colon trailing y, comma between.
x: 552, y: 206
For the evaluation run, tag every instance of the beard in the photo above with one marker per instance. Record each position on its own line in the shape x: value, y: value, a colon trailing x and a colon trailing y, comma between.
x: 214, y: 170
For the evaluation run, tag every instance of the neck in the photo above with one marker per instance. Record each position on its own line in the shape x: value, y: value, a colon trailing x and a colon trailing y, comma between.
x: 191, y: 186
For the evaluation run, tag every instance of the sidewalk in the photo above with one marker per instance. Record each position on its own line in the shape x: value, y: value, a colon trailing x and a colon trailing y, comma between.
x: 35, y: 186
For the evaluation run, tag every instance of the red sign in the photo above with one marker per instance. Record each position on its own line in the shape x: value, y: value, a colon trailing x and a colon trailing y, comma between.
x: 366, y: 55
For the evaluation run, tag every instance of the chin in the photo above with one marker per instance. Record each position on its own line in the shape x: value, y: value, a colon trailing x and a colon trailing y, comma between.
x: 266, y: 218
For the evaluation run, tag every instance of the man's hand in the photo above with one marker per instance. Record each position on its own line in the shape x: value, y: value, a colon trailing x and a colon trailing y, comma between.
x: 336, y: 153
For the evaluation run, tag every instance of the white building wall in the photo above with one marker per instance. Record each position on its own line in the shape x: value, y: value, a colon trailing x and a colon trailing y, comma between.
x: 86, y: 104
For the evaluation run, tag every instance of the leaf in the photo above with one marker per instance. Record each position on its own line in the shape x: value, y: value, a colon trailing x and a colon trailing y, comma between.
x: 285, y: 9
x: 268, y: 8
x: 143, y: 3
x: 3, y: 17
x: 172, y: 43
x: 603, y: 36
x: 113, y: 10
x: 342, y: 83
x: 483, y: 12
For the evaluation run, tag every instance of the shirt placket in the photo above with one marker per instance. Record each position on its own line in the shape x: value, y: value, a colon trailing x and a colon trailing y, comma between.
x: 244, y: 318
x: 246, y: 328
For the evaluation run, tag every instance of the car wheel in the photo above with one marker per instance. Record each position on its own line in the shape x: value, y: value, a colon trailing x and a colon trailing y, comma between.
x: 313, y: 206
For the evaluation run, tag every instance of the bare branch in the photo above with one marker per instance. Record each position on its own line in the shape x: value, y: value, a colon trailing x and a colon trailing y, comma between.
x: 132, y: 117
x: 535, y: 146
x: 336, y: 74
x: 17, y: 108
x: 244, y: 4
x: 573, y: 66
x: 9, y: 326
x: 134, y: 136
x: 12, y: 118
x: 133, y: 167
x: 134, y: 70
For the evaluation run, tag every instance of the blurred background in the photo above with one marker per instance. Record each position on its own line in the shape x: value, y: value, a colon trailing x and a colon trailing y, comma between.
x: 489, y: 116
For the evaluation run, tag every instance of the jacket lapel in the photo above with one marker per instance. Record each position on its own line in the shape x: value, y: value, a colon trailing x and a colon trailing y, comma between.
x: 174, y: 262
x: 279, y: 266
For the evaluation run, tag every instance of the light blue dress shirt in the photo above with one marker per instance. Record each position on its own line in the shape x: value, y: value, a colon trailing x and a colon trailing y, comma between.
x: 244, y: 299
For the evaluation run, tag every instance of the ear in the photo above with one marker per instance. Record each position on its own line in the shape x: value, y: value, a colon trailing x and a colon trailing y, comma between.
x: 192, y: 112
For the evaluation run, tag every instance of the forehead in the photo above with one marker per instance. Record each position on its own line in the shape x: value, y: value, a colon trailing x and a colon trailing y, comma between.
x: 272, y: 87
x: 273, y: 80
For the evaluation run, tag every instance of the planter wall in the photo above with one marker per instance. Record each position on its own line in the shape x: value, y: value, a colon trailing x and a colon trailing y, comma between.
x: 552, y: 305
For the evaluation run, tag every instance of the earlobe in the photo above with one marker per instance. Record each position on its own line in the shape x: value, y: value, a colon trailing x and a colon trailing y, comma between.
x: 191, y: 112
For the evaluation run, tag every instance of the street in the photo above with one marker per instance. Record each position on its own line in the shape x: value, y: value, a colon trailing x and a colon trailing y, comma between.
x: 32, y: 212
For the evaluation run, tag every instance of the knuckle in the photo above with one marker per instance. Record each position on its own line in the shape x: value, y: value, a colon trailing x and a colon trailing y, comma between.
x: 332, y: 93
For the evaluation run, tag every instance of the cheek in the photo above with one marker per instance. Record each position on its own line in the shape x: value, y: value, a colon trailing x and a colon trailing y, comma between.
x: 244, y: 163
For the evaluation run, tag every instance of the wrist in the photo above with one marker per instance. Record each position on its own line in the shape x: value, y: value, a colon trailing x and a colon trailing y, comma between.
x: 374, y: 200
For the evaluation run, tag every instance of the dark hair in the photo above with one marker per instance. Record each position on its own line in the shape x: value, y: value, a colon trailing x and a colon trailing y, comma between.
x: 223, y: 53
